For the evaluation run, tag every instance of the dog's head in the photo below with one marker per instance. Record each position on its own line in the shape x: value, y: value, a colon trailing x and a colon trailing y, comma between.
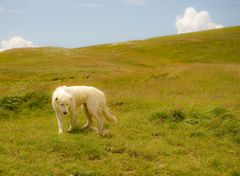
x: 63, y: 103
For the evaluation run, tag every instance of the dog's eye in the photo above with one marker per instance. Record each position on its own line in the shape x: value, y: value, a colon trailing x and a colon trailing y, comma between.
x: 67, y: 104
x: 62, y: 104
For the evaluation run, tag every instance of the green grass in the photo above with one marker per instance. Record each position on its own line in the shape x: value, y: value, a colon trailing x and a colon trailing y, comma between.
x: 176, y: 98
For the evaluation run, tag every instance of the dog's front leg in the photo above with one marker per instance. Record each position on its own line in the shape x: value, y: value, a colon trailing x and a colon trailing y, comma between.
x: 59, y: 121
x: 73, y: 120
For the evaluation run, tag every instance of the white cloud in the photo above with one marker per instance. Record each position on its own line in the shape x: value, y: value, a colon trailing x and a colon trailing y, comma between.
x: 195, y: 21
x: 16, y: 42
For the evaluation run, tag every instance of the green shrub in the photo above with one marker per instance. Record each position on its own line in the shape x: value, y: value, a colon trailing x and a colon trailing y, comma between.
x: 220, y: 121
x: 173, y: 116
x: 177, y: 115
x: 11, y: 105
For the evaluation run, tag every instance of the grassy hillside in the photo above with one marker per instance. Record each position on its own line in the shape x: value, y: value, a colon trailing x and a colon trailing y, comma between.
x: 177, y: 100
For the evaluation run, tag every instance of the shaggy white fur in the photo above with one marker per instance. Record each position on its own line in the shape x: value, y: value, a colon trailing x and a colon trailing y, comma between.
x: 67, y: 99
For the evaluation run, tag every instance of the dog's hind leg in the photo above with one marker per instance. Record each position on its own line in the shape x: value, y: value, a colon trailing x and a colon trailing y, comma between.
x: 89, y: 117
x: 93, y: 109
x: 99, y: 122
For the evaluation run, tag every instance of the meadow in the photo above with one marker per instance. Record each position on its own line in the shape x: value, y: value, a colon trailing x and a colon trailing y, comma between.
x: 177, y: 100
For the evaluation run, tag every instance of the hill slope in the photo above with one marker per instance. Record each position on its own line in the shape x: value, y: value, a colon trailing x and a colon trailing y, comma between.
x: 209, y: 47
x: 177, y: 99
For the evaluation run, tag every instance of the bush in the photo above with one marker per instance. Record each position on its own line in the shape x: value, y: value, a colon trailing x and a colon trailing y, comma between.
x: 173, y: 116
x: 177, y: 115
x: 10, y: 103
x: 220, y: 121
x: 16, y: 104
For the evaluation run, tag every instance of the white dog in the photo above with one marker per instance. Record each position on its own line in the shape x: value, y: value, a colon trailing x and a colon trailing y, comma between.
x: 67, y: 99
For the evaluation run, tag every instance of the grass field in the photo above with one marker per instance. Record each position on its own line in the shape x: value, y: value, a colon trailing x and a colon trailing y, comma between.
x: 177, y: 100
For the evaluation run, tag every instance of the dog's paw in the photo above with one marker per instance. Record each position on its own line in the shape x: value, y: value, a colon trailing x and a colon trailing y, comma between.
x: 96, y: 130
x: 107, y: 134
x: 85, y: 127
x: 69, y: 129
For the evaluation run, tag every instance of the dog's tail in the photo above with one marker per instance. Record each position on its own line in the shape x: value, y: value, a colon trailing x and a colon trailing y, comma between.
x: 109, y: 116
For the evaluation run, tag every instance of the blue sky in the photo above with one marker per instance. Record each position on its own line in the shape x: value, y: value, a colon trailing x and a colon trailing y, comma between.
x: 76, y: 23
